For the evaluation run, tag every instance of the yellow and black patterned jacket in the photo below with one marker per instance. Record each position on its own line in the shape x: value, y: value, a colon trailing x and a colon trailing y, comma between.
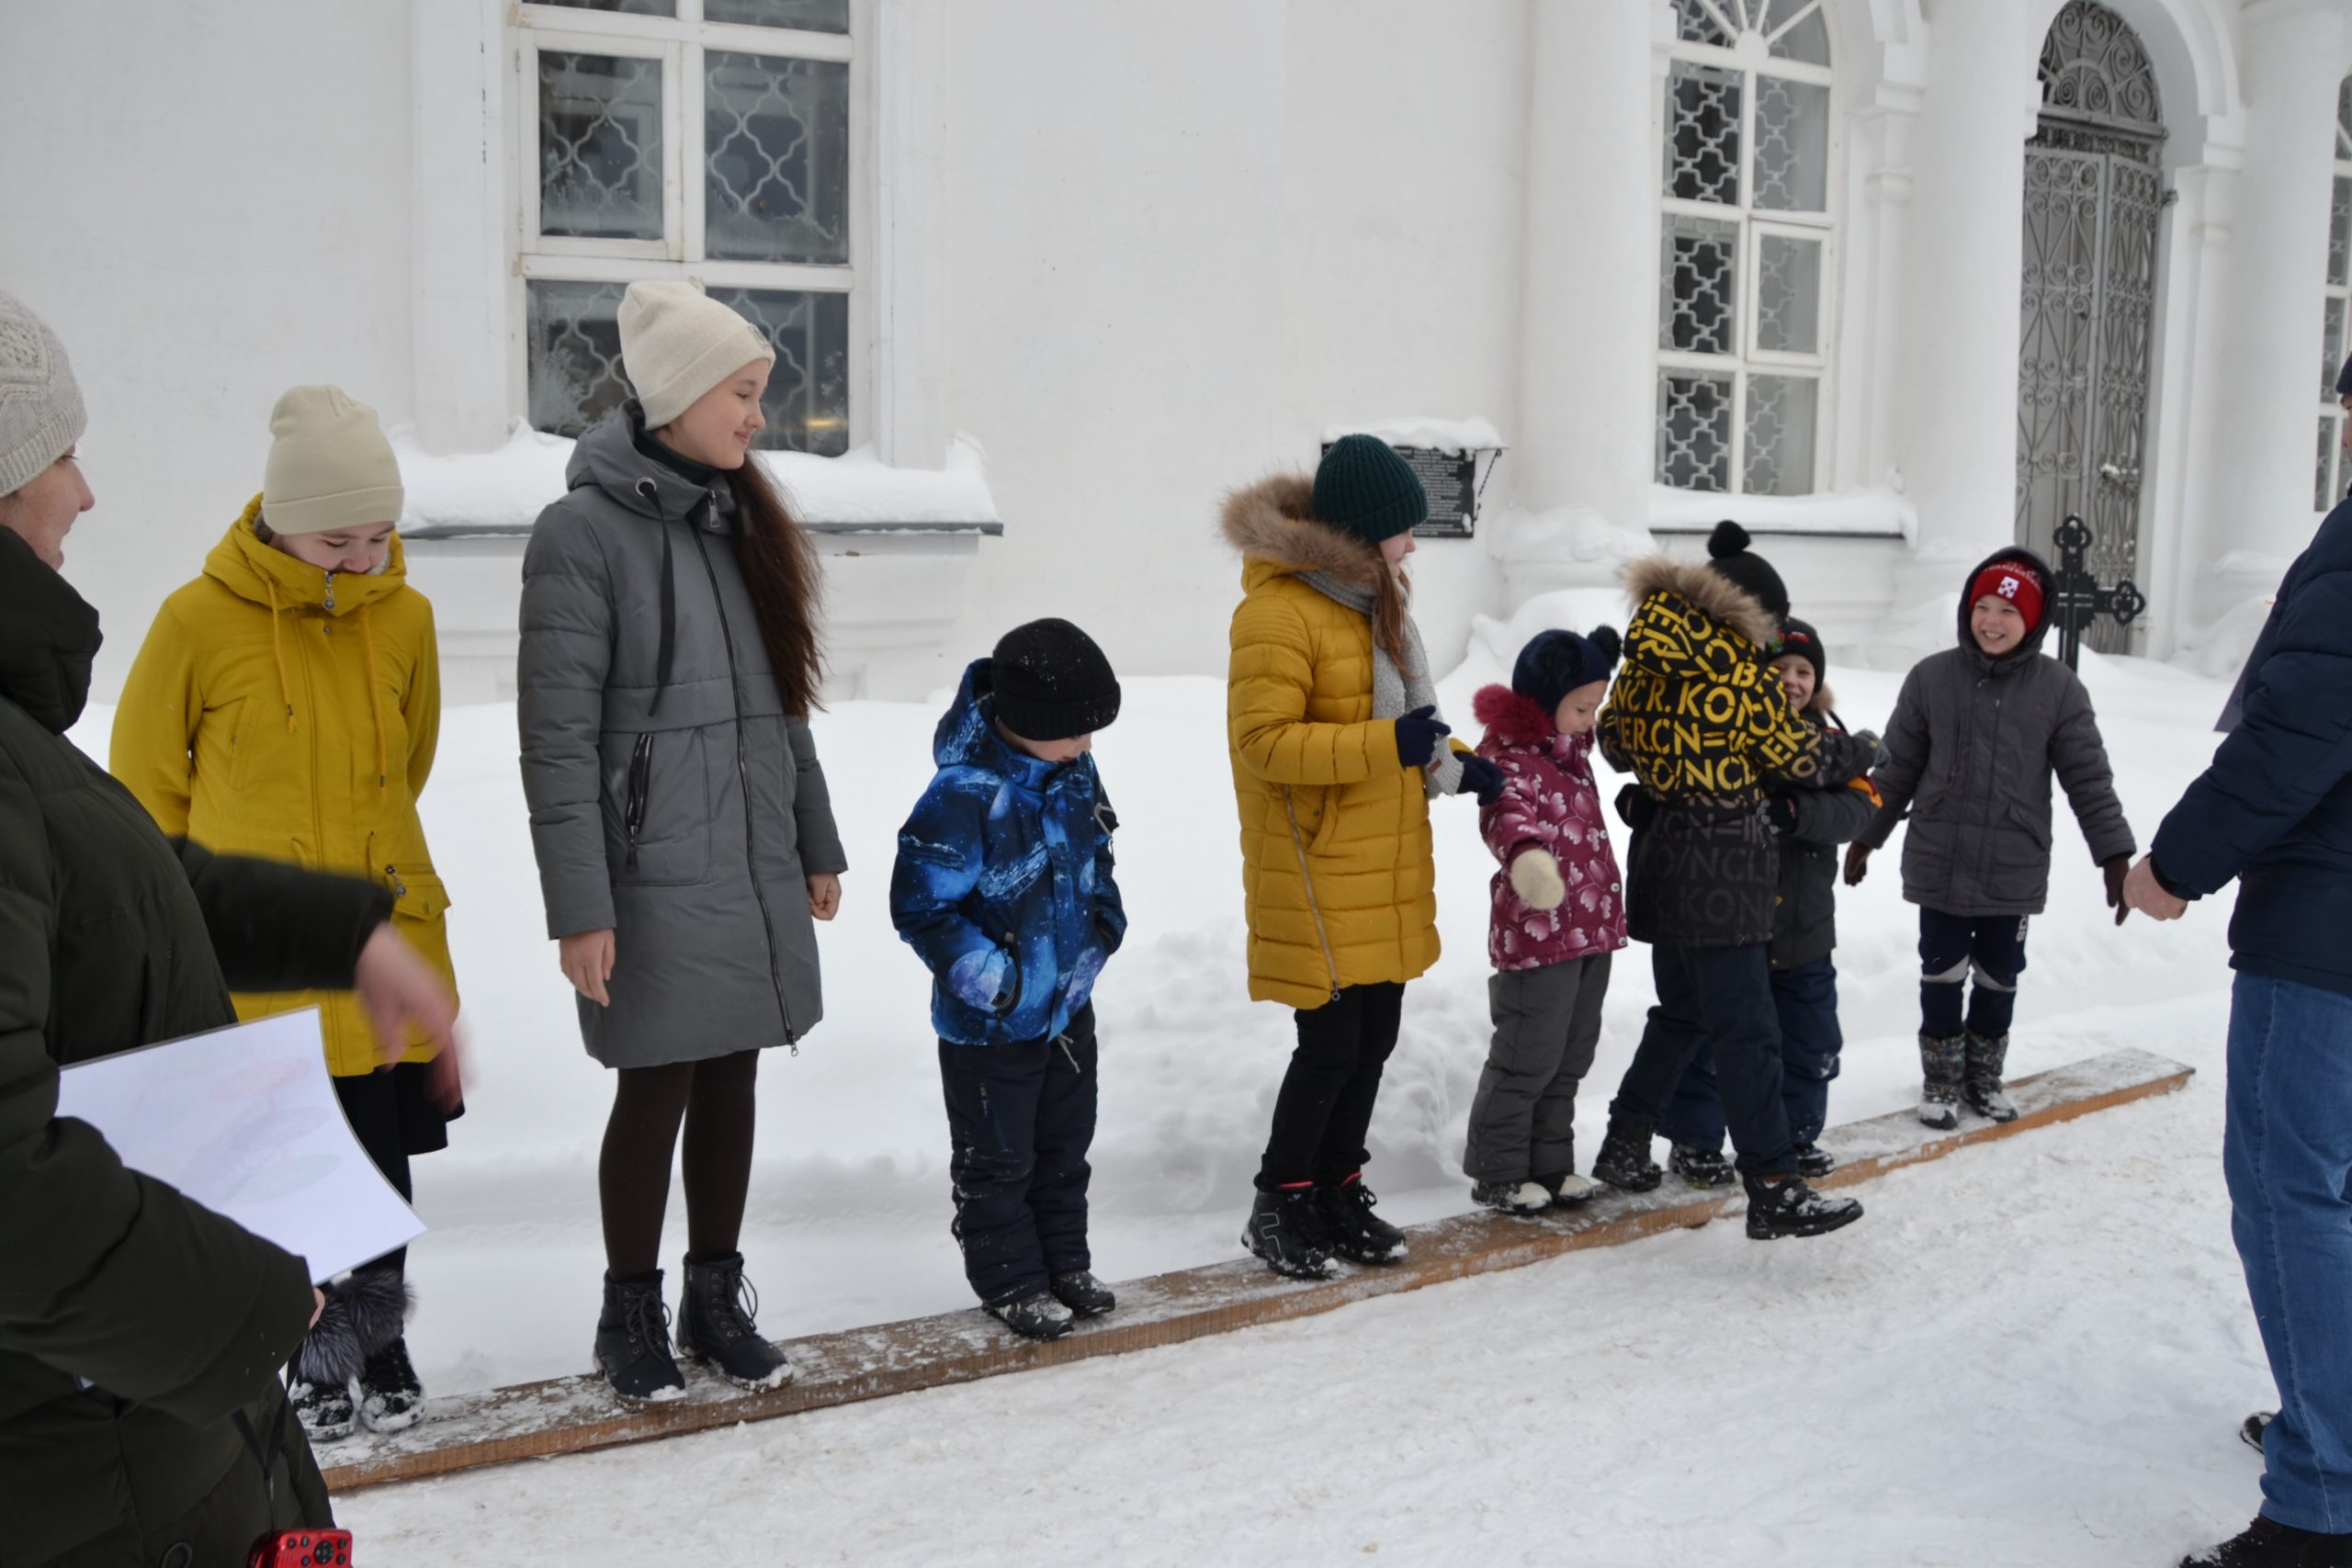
x: 1698, y: 717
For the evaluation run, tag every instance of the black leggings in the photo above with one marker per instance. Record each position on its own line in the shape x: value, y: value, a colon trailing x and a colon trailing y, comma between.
x: 714, y: 1098
x: 1325, y: 1106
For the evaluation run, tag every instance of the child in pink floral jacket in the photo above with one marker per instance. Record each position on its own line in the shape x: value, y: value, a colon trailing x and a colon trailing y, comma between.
x: 1559, y: 913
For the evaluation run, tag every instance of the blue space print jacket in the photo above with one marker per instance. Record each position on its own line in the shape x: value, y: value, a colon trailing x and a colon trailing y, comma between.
x: 1003, y: 883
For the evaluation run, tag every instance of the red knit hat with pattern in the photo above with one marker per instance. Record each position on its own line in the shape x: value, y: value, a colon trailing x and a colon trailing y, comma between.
x: 2013, y: 580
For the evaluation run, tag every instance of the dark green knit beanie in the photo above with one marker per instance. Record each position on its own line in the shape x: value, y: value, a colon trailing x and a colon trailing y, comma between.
x: 1363, y: 487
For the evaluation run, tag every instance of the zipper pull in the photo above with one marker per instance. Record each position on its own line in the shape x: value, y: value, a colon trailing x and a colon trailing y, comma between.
x: 330, y: 593
x: 400, y: 888
x: 1063, y: 1041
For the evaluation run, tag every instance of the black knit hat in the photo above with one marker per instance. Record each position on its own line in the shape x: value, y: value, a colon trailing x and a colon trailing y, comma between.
x: 1799, y: 638
x: 1555, y: 663
x: 1052, y: 682
x: 1729, y: 555
x: 1363, y: 487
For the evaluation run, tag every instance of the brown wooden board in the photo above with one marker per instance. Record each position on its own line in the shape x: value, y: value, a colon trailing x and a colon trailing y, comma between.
x: 574, y: 1415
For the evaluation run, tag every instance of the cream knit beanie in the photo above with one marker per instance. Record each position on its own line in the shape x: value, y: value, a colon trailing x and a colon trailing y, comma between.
x: 677, y: 344
x: 330, y: 466
x: 40, y: 408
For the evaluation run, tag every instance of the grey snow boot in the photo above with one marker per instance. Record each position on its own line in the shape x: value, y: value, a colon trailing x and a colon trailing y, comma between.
x: 715, y: 1325
x: 1982, y: 1089
x: 1942, y: 1063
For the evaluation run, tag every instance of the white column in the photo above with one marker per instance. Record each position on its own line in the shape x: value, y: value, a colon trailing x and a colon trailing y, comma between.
x: 2257, y: 512
x: 908, y: 299
x: 1955, y: 377
x: 1587, y: 423
x: 458, y: 284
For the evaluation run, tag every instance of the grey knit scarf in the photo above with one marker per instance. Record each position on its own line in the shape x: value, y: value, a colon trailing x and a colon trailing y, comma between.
x: 1395, y: 692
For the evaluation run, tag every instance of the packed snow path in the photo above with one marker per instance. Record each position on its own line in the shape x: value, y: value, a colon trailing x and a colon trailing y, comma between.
x: 2033, y: 1353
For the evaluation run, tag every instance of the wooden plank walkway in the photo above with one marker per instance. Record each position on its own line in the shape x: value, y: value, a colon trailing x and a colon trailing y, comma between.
x: 575, y: 1414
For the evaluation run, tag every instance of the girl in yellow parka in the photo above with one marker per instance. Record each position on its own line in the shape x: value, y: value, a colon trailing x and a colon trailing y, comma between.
x: 286, y: 705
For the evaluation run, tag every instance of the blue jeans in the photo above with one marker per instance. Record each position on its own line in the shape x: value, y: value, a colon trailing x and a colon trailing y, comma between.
x: 1805, y: 996
x: 2289, y: 1156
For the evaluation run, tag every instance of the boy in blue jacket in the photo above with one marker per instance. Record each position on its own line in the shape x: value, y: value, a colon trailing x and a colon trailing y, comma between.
x: 1003, y: 886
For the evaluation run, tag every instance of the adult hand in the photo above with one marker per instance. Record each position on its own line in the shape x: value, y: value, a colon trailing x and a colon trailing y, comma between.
x: 1418, y: 734
x: 1858, y: 863
x: 404, y: 996
x: 445, y: 1080
x: 1482, y: 778
x: 318, y: 1305
x: 2117, y: 872
x: 824, y: 895
x: 1535, y: 877
x: 2143, y: 892
x: 587, y: 960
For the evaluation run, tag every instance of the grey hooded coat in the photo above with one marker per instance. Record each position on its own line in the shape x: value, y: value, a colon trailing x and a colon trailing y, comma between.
x: 673, y: 798
x: 1969, y: 754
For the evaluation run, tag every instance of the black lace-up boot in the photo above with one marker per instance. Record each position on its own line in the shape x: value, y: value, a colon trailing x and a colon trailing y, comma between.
x: 633, y: 1341
x: 715, y: 1325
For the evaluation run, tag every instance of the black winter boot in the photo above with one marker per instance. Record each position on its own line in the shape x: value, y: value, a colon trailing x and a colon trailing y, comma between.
x: 1814, y: 1162
x: 1624, y: 1160
x: 1983, y: 1088
x: 1779, y: 1206
x: 1942, y: 1063
x: 1085, y: 1295
x: 1700, y: 1168
x: 1036, y: 1316
x: 1513, y: 1196
x: 2250, y: 1430
x: 390, y: 1397
x: 2267, y: 1543
x: 1286, y: 1230
x: 1357, y: 1234
x: 325, y: 1410
x: 633, y: 1341
x: 715, y: 1325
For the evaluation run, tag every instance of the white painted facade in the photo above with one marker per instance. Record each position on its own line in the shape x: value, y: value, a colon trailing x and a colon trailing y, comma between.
x: 1142, y: 253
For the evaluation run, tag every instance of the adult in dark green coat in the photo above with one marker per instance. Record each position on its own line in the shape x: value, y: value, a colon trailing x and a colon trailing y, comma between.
x: 133, y: 1322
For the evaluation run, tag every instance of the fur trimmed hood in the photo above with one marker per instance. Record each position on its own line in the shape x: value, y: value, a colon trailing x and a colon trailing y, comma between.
x: 1274, y: 521
x: 1512, y: 718
x: 1705, y: 590
x: 1824, y: 700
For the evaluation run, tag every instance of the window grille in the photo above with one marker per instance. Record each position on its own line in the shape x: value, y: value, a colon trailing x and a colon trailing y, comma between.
x: 687, y: 138
x: 1745, y: 251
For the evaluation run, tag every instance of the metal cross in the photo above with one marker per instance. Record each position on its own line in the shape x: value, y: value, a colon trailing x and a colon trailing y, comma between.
x: 2076, y: 599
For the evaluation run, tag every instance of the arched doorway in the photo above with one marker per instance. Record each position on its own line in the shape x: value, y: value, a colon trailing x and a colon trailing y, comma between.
x: 2094, y: 191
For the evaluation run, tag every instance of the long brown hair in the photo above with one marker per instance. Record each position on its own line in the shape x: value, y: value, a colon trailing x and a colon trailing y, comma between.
x: 1388, y: 591
x: 786, y: 585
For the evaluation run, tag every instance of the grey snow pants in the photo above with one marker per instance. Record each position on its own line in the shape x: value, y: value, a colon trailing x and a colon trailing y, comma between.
x: 1547, y: 1022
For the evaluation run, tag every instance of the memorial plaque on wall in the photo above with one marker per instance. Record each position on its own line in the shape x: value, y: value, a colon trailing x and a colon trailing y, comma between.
x: 1451, y: 480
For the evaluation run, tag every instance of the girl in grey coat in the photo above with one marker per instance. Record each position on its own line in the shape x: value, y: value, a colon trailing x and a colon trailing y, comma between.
x: 1977, y: 733
x: 684, y: 831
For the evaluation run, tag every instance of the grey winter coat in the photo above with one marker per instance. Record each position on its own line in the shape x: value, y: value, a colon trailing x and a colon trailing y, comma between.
x: 1970, y: 752
x: 673, y: 798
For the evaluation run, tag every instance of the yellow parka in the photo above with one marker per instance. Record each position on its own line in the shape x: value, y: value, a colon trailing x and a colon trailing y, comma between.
x: 1337, y: 871
x: 282, y: 711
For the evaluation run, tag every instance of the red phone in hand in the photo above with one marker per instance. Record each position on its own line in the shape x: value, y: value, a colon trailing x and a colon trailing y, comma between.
x: 302, y: 1549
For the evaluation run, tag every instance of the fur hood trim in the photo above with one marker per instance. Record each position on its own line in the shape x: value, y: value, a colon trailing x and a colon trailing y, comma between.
x: 364, y: 1312
x: 1824, y: 700
x: 1704, y: 589
x: 1511, y: 717
x: 1274, y: 521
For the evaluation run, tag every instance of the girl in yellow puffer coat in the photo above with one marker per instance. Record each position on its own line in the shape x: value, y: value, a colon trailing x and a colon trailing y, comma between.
x: 286, y: 705
x: 1331, y: 722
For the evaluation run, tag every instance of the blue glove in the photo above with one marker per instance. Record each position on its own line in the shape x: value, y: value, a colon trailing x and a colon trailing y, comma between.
x: 1418, y: 734
x: 1481, y: 778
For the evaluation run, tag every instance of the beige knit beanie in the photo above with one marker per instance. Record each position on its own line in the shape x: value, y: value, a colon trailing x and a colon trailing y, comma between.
x: 40, y: 408
x: 677, y: 344
x: 330, y: 466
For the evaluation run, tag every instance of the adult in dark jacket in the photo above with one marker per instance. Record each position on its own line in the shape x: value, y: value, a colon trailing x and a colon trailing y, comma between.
x: 2274, y: 811
x: 1699, y: 719
x: 134, y: 1325
x: 683, y: 831
x: 1809, y: 821
x: 1978, y: 730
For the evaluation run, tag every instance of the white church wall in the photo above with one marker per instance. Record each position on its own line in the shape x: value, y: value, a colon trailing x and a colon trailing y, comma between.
x: 208, y: 204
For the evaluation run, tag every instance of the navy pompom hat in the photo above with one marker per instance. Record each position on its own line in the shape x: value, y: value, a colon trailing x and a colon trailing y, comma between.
x: 1555, y: 663
x: 1363, y: 487
x: 1728, y: 553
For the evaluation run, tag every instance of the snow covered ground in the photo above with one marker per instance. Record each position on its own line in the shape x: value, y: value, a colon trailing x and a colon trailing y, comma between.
x: 2035, y: 1352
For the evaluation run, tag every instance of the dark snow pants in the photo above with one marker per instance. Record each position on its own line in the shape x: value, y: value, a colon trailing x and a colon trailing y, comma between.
x: 1020, y: 1120
x: 1547, y: 1022
x: 1324, y: 1110
x: 1951, y: 948
x: 1804, y: 997
x: 1720, y: 996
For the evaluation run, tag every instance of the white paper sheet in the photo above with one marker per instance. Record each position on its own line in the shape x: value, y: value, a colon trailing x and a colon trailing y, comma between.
x: 245, y: 1121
